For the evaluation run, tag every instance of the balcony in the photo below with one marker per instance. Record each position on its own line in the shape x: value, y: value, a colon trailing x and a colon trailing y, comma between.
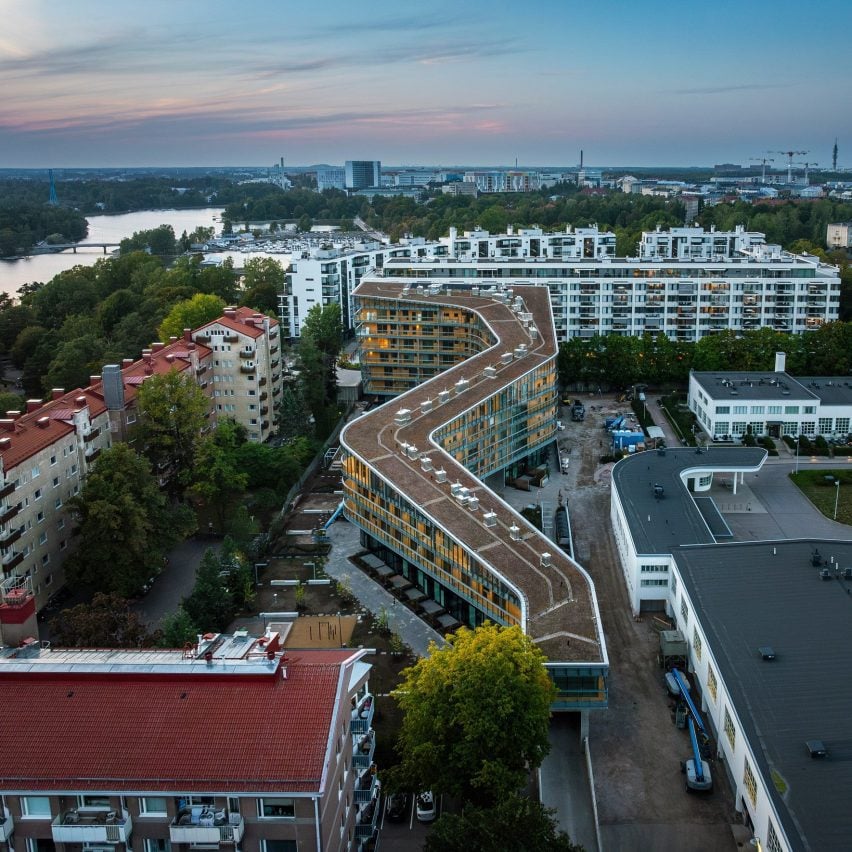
x: 231, y: 338
x: 12, y: 561
x: 362, y: 715
x: 246, y: 353
x: 264, y: 409
x: 276, y: 391
x: 273, y: 349
x: 264, y: 424
x: 7, y: 825
x: 9, y: 514
x: 247, y: 368
x: 200, y: 369
x: 275, y: 363
x: 206, y: 827
x: 366, y: 788
x: 363, y: 749
x: 89, y: 826
x: 202, y: 338
x: 6, y: 490
x: 263, y: 395
x: 262, y: 381
x: 10, y: 538
x: 365, y: 823
x: 91, y: 435
x: 276, y: 376
x: 92, y: 453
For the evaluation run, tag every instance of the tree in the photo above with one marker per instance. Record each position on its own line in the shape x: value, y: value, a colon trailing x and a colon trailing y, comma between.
x: 210, y: 605
x: 177, y: 629
x: 219, y: 482
x: 106, y: 622
x: 263, y: 280
x: 319, y: 349
x: 160, y: 240
x: 515, y: 824
x: 191, y: 313
x: 305, y: 223
x: 125, y: 526
x: 475, y: 715
x: 11, y: 402
x: 172, y: 412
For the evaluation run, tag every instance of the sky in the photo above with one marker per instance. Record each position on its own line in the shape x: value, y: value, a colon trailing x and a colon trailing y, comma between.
x: 631, y: 82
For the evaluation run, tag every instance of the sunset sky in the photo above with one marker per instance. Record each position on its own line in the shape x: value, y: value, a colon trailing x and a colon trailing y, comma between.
x: 633, y: 82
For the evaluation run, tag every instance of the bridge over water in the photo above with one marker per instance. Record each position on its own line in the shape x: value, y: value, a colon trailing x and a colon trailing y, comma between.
x: 57, y: 247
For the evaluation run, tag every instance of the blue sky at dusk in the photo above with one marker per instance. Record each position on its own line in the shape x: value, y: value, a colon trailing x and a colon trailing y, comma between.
x: 159, y: 82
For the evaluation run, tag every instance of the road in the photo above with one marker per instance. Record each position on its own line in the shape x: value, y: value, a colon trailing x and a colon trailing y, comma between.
x: 378, y: 236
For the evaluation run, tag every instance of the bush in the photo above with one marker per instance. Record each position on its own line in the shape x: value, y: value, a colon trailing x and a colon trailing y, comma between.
x: 749, y: 440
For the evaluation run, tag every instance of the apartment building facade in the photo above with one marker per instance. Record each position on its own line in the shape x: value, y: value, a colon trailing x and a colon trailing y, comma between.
x: 416, y: 471
x: 231, y: 743
x: 47, y: 450
x: 686, y: 283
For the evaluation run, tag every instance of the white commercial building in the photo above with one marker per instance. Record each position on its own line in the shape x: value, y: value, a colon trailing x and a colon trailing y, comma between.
x: 331, y: 178
x: 764, y: 639
x: 839, y: 235
x: 730, y: 405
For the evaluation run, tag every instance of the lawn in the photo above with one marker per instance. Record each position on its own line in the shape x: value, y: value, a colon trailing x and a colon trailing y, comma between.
x: 823, y: 492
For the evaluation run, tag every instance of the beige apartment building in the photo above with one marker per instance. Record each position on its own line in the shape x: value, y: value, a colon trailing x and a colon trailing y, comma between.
x: 46, y: 451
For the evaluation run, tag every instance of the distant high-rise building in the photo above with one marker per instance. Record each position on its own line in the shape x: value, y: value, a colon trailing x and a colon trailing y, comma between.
x: 834, y: 157
x: 330, y: 178
x: 361, y: 174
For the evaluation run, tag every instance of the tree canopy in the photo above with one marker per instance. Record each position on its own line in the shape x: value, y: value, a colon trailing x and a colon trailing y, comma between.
x: 263, y: 280
x: 475, y: 716
x: 106, y: 622
x: 125, y: 525
x: 190, y: 313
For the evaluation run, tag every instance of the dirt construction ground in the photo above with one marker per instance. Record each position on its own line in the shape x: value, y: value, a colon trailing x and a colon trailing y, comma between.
x: 636, y: 749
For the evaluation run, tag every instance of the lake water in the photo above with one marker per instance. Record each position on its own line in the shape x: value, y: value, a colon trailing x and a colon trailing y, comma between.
x: 106, y: 229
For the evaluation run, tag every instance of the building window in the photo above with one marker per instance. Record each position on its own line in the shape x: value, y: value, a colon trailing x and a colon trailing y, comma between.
x: 738, y: 427
x: 723, y: 427
x: 654, y: 582
x: 825, y: 424
x: 773, y: 844
x: 649, y: 569
x: 730, y: 730
x: 56, y: 482
x: 757, y: 409
x: 57, y: 503
x: 791, y: 409
x: 37, y: 494
x: 684, y: 610
x: 773, y: 409
x: 723, y: 409
x: 740, y: 409
x: 60, y: 524
x: 808, y: 409
x: 40, y: 517
x: 53, y: 459
x: 276, y: 808
x: 674, y: 586
x: 809, y: 428
x: 42, y: 539
x: 35, y: 807
x: 696, y: 644
x: 152, y: 805
x: 712, y: 685
x: 157, y: 844
x: 842, y: 425
x: 791, y: 428
x: 98, y: 802
x: 35, y: 471
x: 750, y: 782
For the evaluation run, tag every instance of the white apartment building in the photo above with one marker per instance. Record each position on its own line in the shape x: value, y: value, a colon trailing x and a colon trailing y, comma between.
x: 246, y: 368
x: 838, y: 235
x: 747, y: 611
x: 729, y: 405
x: 725, y: 280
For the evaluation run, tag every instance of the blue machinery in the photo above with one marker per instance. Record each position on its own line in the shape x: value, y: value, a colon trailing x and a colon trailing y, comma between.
x: 335, y: 515
x: 697, y: 770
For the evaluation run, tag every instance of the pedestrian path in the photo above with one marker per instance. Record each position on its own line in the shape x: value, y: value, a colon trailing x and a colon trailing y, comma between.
x: 413, y: 631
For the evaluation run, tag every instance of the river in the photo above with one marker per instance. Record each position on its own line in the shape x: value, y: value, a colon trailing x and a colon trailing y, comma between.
x: 102, y: 229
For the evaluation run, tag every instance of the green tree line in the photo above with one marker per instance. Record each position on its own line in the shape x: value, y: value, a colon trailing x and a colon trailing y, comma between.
x: 25, y: 223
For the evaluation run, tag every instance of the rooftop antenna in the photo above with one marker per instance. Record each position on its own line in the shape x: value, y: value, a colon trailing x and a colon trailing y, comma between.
x: 581, y: 158
x: 789, y: 155
x: 834, y: 156
x: 763, y: 161
x: 52, y: 198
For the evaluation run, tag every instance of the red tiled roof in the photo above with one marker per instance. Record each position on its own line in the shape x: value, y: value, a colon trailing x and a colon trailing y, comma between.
x: 170, y: 732
x: 238, y: 323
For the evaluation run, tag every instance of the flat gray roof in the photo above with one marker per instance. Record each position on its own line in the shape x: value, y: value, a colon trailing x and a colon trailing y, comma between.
x: 763, y: 384
x: 768, y: 593
x: 832, y: 390
x: 662, y: 525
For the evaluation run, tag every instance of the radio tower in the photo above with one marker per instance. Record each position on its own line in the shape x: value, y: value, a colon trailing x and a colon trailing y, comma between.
x: 834, y: 156
x: 52, y: 199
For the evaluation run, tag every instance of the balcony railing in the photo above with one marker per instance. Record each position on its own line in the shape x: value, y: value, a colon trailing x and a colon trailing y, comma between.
x: 246, y: 353
x: 262, y: 381
x: 12, y: 560
x: 247, y: 368
x: 9, y: 514
x: 202, y: 338
x: 263, y: 395
x: 11, y: 537
x: 92, y: 435
x: 365, y: 824
x: 366, y: 788
x: 82, y: 826
x: 211, y: 828
x: 232, y: 338
x: 362, y: 715
x: 7, y: 825
x: 6, y: 490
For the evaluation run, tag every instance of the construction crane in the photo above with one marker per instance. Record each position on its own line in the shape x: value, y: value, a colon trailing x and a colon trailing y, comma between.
x: 807, y: 166
x: 789, y: 155
x: 763, y: 161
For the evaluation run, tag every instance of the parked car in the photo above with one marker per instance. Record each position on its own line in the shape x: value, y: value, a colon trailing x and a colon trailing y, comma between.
x: 396, y: 807
x: 425, y: 806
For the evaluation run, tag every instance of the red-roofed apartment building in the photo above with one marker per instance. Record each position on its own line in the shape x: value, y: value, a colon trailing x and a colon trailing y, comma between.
x: 229, y: 744
x: 45, y: 452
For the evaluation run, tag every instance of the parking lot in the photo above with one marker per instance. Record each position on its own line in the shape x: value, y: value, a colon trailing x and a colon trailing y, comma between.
x: 406, y: 834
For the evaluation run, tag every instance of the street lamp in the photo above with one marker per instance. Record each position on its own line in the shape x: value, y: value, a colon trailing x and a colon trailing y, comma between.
x: 798, y: 438
x: 836, y: 496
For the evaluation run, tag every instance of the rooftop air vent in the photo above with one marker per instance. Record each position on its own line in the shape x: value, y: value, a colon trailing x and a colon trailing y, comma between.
x: 426, y: 406
x: 489, y: 373
x: 412, y: 452
x: 441, y: 475
x: 546, y: 561
x: 462, y: 385
x: 443, y: 396
x: 403, y: 416
x: 473, y: 503
x: 425, y: 463
x: 455, y: 489
x: 489, y: 519
x: 515, y: 532
x: 506, y: 358
x: 766, y: 652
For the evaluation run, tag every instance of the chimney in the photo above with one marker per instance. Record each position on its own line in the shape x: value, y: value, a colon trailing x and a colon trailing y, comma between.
x: 190, y: 345
x: 156, y: 347
x: 5, y: 443
x: 80, y: 402
x: 780, y: 362
x: 126, y: 362
x: 173, y: 339
x: 13, y: 415
x: 170, y: 358
x: 93, y: 380
x: 43, y: 422
x: 231, y: 312
x: 56, y: 393
x: 187, y: 335
x: 33, y: 405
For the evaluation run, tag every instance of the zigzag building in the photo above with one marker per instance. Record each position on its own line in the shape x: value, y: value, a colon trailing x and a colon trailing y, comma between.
x: 475, y: 375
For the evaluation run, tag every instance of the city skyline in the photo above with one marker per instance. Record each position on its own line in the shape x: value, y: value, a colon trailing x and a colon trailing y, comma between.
x: 649, y: 84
